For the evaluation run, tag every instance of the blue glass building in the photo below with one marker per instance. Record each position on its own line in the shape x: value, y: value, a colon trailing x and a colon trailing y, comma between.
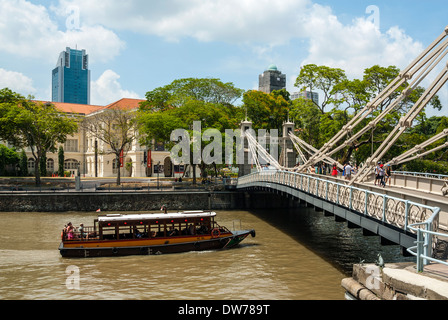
x: 71, y: 77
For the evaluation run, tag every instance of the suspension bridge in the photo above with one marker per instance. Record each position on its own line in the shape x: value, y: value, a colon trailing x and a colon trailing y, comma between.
x: 412, y: 211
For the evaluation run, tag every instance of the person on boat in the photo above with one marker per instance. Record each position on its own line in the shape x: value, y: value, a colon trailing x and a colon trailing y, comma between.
x: 137, y: 233
x: 70, y: 231
x: 191, y: 229
x: 202, y: 229
x: 81, y: 231
x: 172, y: 232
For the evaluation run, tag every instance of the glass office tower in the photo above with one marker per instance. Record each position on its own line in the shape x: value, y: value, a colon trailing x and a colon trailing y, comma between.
x: 71, y: 77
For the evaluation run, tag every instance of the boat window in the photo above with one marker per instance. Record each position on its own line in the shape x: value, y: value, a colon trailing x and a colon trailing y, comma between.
x: 185, y: 226
x: 109, y: 233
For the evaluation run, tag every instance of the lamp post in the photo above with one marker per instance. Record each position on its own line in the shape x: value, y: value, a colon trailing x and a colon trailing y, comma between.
x: 158, y: 170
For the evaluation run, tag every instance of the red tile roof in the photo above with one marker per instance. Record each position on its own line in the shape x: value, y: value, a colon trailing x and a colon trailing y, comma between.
x: 74, y: 107
x: 125, y: 104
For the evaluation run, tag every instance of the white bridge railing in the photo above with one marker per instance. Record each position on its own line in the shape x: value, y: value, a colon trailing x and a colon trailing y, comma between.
x: 396, y: 212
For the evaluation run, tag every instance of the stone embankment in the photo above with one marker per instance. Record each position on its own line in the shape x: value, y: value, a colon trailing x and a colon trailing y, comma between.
x: 397, y: 281
x: 137, y: 201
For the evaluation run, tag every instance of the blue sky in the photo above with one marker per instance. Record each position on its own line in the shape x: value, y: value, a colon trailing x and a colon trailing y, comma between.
x: 138, y: 45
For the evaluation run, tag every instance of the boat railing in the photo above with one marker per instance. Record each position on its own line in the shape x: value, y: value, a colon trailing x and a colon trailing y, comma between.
x: 86, y: 234
x: 222, y: 229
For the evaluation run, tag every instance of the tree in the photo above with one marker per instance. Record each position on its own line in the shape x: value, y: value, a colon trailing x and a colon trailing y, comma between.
x: 23, y: 164
x: 116, y: 128
x: 61, y: 160
x: 159, y: 125
x: 267, y: 110
x: 186, y: 101
x: 307, y: 117
x: 348, y: 97
x: 180, y: 91
x: 43, y: 165
x: 8, y: 156
x: 36, y: 125
x: 323, y: 78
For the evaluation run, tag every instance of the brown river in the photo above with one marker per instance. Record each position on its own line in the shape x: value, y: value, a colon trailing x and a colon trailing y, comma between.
x: 296, y: 255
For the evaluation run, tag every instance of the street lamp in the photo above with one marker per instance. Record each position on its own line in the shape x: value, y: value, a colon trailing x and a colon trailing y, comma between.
x: 158, y: 170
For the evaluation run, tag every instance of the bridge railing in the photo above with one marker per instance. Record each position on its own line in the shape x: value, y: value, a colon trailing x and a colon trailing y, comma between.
x: 403, y: 214
x: 426, y: 182
x: 422, y: 243
x: 423, y: 174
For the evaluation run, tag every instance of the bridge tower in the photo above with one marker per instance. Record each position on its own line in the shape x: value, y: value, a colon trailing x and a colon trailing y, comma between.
x: 245, y: 167
x: 288, y: 154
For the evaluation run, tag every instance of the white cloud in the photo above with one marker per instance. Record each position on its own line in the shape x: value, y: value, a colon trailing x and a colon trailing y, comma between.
x: 17, y: 82
x: 262, y: 24
x: 108, y: 89
x: 358, y: 45
x: 27, y: 30
x: 232, y: 21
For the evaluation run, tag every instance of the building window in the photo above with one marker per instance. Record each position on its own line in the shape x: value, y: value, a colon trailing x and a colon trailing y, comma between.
x: 71, y: 145
x: 70, y: 164
x: 31, y: 164
x: 50, y: 165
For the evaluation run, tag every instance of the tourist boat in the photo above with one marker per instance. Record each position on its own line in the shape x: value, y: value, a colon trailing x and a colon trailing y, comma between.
x: 149, y: 233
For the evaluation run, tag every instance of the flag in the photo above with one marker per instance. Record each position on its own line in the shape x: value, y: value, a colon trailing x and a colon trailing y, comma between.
x: 99, y: 210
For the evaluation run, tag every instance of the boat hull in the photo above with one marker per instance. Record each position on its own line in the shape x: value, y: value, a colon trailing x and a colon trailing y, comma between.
x: 118, y: 249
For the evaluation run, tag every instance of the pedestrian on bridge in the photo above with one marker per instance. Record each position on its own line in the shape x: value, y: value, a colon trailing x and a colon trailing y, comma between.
x: 388, y: 173
x: 382, y: 174
x: 377, y: 173
x: 334, y: 172
x: 348, y: 171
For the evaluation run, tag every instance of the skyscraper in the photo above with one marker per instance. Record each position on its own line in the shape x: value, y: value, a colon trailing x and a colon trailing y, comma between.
x: 71, y: 77
x: 272, y: 79
x: 307, y: 95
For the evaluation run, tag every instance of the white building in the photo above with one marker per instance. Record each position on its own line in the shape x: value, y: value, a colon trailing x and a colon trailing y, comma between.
x: 80, y: 154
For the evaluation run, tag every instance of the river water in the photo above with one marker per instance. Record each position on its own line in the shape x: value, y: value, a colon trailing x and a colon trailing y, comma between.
x: 297, y: 254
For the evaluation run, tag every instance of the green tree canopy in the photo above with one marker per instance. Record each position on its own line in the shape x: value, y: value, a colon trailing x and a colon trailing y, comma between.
x: 180, y: 91
x: 267, y: 110
x: 39, y: 126
x: 343, y: 98
x: 185, y: 101
x: 322, y: 78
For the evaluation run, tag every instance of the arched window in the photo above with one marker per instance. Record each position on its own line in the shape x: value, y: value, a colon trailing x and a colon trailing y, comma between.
x: 31, y: 164
x: 70, y: 164
x: 50, y: 165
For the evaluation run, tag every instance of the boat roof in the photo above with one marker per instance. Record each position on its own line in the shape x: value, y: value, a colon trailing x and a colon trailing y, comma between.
x: 145, y: 216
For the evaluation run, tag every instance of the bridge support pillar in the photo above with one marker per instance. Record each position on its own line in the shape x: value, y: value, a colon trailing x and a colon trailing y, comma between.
x: 404, y: 252
x: 386, y: 242
x: 368, y: 233
x: 339, y: 219
x: 351, y: 225
x: 328, y: 213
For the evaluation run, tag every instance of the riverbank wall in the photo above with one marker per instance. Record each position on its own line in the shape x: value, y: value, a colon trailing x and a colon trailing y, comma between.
x: 139, y: 201
x: 397, y: 281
